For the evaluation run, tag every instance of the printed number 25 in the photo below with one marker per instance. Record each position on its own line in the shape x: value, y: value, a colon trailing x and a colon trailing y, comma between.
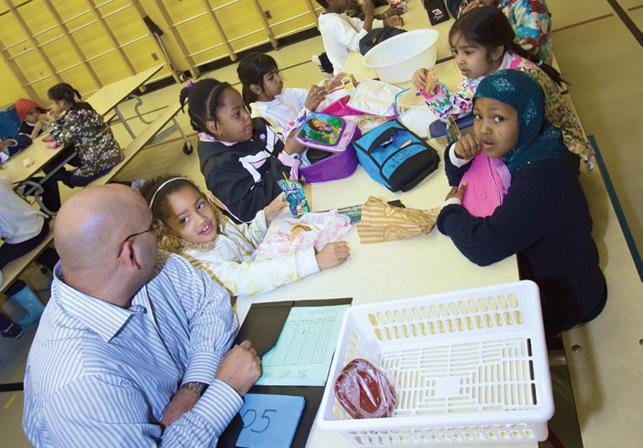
x: 264, y: 416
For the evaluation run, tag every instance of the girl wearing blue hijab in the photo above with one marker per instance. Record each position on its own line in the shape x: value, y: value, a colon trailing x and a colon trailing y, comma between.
x: 544, y: 217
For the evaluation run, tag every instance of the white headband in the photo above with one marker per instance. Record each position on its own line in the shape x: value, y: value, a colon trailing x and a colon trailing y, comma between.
x: 161, y: 187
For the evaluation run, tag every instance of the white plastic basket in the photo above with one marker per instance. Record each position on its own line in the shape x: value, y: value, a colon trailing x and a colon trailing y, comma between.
x: 469, y: 367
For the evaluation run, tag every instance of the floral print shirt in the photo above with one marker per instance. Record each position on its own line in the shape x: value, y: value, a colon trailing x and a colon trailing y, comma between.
x: 531, y: 22
x: 444, y: 103
x: 91, y: 138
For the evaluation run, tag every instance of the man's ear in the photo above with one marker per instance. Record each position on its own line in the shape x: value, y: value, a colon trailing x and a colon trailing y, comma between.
x: 128, y: 256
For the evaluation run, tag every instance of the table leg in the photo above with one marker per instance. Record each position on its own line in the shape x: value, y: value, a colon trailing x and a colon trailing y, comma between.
x: 29, y: 187
x: 187, y: 146
x: 124, y: 122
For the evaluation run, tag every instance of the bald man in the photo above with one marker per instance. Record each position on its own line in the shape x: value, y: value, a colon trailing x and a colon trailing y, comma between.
x: 129, y: 353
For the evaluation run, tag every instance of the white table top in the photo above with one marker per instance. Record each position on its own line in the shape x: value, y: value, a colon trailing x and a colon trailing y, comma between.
x: 386, y: 271
x: 414, y: 19
x: 109, y: 96
x: 104, y: 100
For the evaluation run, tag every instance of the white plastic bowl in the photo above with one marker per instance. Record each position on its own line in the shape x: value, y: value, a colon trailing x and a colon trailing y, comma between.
x: 396, y: 59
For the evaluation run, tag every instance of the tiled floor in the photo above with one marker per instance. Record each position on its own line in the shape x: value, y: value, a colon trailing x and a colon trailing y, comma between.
x: 601, y: 61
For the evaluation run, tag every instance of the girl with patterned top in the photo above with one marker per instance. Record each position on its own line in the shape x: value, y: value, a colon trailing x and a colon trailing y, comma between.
x: 530, y: 20
x: 75, y: 123
x: 483, y: 42
x: 189, y: 225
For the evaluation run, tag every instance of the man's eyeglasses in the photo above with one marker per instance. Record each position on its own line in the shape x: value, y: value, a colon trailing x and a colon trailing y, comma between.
x: 152, y: 228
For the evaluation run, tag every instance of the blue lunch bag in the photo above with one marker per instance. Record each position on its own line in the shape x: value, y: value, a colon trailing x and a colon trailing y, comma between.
x: 396, y: 157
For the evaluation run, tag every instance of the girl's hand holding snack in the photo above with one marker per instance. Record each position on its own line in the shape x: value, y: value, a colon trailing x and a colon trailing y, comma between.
x: 332, y: 255
x: 275, y: 207
x: 467, y: 147
x: 316, y: 95
x: 424, y: 80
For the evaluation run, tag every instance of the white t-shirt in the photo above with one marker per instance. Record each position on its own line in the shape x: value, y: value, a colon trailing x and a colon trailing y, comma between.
x: 284, y: 111
x: 19, y: 221
x: 341, y: 34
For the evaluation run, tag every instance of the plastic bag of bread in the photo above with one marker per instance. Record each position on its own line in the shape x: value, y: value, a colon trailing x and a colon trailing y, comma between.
x: 364, y: 391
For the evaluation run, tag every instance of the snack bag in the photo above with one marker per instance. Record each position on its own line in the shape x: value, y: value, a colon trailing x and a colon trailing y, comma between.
x: 295, y: 196
x: 364, y: 391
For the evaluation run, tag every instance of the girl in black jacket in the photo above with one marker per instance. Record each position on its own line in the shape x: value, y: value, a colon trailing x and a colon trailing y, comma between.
x: 241, y: 158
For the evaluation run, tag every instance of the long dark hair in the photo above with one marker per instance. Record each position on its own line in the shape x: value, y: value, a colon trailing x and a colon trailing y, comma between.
x: 65, y: 92
x: 251, y: 70
x: 489, y: 27
x: 203, y: 98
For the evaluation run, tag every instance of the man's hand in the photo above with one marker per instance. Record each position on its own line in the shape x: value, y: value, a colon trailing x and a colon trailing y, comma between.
x: 332, y: 255
x: 182, y: 401
x: 467, y: 147
x: 241, y: 368
x: 457, y: 192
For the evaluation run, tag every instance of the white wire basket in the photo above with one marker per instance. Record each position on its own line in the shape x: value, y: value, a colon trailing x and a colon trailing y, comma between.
x: 469, y: 367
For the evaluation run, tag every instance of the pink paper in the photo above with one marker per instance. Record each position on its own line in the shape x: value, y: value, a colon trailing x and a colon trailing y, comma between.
x: 488, y: 180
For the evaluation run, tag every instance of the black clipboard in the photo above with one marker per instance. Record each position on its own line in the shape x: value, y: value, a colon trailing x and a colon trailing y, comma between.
x: 262, y: 326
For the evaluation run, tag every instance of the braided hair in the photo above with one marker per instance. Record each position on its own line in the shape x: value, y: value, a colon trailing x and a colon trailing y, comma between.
x: 65, y: 92
x: 489, y: 27
x: 202, y: 97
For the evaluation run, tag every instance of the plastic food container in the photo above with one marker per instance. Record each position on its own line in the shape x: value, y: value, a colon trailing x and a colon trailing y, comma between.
x: 469, y: 368
x: 396, y: 59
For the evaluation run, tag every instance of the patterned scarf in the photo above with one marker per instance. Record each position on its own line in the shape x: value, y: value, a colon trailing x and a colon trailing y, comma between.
x: 538, y: 139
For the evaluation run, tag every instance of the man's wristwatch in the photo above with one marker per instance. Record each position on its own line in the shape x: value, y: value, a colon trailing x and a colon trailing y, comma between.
x: 196, y: 387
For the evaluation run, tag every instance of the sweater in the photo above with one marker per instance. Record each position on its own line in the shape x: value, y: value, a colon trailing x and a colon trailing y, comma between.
x: 244, y: 175
x: 19, y: 221
x: 91, y: 138
x: 231, y: 261
x: 544, y: 219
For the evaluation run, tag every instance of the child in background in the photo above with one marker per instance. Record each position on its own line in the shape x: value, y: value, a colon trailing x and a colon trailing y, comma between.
x: 264, y: 94
x: 21, y: 229
x: 192, y: 227
x: 530, y: 20
x: 544, y: 217
x: 241, y: 159
x: 341, y: 34
x: 483, y: 42
x: 75, y: 122
x: 33, y: 117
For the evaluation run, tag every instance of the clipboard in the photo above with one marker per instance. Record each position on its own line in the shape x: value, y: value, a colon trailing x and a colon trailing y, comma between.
x: 262, y: 326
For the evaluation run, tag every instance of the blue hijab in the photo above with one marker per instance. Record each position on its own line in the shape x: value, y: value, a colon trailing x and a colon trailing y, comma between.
x: 537, y: 138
